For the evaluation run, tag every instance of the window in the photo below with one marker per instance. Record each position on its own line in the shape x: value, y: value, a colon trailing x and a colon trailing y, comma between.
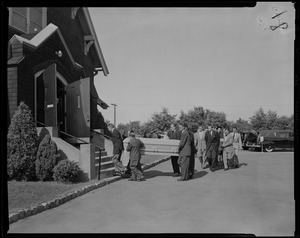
x: 28, y: 19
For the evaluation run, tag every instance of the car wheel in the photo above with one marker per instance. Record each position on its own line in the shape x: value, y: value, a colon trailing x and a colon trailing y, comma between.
x: 269, y: 148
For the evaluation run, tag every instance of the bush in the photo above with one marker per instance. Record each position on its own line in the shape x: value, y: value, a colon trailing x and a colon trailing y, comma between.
x: 68, y: 171
x: 46, y: 160
x: 21, y: 145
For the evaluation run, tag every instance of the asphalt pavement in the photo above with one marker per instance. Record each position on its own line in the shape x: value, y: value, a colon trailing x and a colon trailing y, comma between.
x: 257, y: 198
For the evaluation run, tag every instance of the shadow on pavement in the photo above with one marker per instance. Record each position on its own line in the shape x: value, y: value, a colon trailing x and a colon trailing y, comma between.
x: 199, y: 174
x: 154, y: 173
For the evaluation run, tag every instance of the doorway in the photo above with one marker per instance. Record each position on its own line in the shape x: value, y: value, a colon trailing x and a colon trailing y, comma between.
x: 53, y: 114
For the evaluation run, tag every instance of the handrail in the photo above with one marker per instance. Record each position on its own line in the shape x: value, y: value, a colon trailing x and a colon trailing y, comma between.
x: 75, y: 137
x: 100, y: 148
x: 106, y: 136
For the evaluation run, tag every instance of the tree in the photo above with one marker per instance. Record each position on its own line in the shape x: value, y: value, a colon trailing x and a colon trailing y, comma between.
x: 200, y: 116
x: 259, y: 120
x: 46, y: 160
x: 22, y: 140
x: 242, y: 125
x: 271, y: 120
x: 162, y: 121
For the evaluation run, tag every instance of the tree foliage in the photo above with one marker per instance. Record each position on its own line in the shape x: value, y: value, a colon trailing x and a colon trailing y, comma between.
x: 22, y: 140
x: 47, y: 158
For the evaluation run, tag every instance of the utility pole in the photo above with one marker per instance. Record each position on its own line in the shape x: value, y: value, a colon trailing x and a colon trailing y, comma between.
x: 115, y: 113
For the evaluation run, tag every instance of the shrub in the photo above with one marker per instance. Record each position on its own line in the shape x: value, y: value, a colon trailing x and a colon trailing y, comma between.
x: 21, y: 145
x: 47, y: 158
x: 68, y: 171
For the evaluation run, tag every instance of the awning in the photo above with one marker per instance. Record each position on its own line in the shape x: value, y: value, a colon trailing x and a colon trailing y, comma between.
x: 102, y: 104
x: 96, y: 97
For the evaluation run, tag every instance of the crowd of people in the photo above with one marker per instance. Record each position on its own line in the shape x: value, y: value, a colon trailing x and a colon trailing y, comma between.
x: 211, y: 145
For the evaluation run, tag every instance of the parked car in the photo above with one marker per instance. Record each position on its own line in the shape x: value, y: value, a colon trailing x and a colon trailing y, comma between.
x: 273, y: 139
x: 248, y: 138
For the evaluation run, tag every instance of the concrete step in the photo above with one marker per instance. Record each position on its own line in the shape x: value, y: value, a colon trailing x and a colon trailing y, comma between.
x: 106, y: 173
x: 103, y: 159
x: 105, y: 165
x: 103, y: 153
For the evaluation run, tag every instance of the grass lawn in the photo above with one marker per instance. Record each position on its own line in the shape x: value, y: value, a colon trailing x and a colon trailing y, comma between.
x: 24, y: 195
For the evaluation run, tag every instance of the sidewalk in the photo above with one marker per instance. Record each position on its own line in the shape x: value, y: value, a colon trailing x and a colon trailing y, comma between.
x: 147, y: 161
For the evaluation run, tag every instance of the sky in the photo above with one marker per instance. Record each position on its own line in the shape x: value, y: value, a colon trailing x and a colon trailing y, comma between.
x: 223, y: 59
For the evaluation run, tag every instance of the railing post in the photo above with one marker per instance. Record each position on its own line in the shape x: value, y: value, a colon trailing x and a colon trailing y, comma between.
x: 99, y: 166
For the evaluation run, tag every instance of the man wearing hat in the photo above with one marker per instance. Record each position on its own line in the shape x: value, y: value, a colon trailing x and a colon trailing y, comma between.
x: 134, y: 147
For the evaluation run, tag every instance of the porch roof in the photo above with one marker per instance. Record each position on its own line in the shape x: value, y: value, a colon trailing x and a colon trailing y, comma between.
x: 94, y: 94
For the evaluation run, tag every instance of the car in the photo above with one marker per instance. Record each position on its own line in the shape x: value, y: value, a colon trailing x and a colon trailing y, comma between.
x: 248, y: 138
x: 269, y: 140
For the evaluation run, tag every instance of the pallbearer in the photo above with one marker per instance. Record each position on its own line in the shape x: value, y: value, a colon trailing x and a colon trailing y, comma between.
x: 185, y: 151
x: 134, y: 147
x: 175, y: 135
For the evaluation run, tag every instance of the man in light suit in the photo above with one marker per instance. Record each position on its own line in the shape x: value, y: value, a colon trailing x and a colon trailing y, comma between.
x: 185, y: 151
x: 118, y: 148
x: 237, y: 141
x: 212, y: 139
x: 200, y: 144
x: 227, y: 147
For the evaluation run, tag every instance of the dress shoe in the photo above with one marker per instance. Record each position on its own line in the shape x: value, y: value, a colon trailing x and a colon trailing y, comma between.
x: 212, y: 169
x: 176, y: 175
x: 181, y: 179
x: 131, y: 179
x: 225, y: 169
x: 140, y: 179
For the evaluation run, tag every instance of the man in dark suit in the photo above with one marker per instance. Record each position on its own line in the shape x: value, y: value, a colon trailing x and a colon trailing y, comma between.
x: 175, y: 135
x: 193, y: 152
x: 118, y: 148
x: 212, y: 139
x: 134, y: 147
x: 185, y: 151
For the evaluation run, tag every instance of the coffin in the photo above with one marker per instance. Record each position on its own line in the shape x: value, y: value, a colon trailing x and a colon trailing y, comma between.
x: 154, y: 146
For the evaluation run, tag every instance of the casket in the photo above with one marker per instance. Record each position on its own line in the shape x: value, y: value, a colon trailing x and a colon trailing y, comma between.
x: 153, y: 146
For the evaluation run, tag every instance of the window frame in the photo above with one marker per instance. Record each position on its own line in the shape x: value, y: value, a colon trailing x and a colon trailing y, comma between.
x: 44, y: 19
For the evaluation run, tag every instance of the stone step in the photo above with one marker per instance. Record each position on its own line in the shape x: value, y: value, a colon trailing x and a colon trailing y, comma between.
x: 105, y: 165
x: 103, y: 159
x: 106, y: 173
x: 103, y: 153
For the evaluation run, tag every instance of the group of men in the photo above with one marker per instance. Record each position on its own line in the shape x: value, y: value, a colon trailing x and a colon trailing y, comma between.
x: 133, y: 168
x: 211, y: 146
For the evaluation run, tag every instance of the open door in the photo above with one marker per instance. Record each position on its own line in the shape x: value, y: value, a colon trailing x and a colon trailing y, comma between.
x: 50, y: 107
x: 78, y: 108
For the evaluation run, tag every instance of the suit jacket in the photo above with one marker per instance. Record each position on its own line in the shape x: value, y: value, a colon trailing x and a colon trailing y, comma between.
x: 212, y: 139
x: 192, y: 141
x: 228, y: 143
x: 134, y: 147
x: 237, y: 141
x: 184, y: 147
x: 175, y: 135
x: 200, y: 140
x: 117, y: 142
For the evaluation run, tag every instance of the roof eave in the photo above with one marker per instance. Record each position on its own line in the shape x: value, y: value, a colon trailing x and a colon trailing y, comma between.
x: 96, y: 43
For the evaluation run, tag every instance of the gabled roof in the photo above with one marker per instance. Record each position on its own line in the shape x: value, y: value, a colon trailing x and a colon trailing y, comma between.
x: 96, y: 42
x: 41, y: 37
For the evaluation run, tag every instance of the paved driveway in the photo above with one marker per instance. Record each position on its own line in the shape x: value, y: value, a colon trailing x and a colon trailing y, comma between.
x: 257, y: 198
